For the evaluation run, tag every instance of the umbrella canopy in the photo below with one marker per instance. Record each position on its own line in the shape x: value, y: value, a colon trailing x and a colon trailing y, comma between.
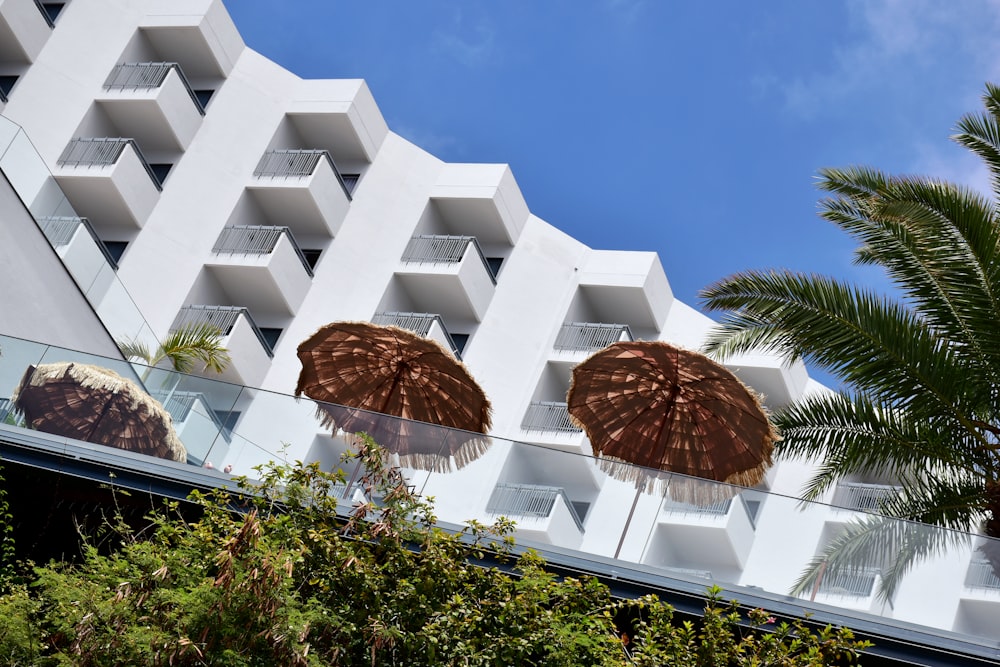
x: 652, y: 404
x: 96, y: 405
x: 375, y: 370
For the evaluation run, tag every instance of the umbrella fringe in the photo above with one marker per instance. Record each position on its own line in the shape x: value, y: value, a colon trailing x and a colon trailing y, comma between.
x: 470, y: 450
x: 427, y: 462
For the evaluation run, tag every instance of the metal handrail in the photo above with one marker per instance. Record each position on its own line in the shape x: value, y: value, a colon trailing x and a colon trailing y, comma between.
x: 59, y: 230
x: 222, y: 317
x: 850, y: 583
x: 528, y: 500
x: 102, y: 151
x: 980, y: 575
x: 584, y: 336
x: 863, y: 497
x: 720, y: 508
x: 548, y: 416
x: 142, y: 76
x: 443, y: 249
x: 296, y: 163
x: 256, y: 240
x: 9, y: 411
x: 180, y: 403
x: 418, y: 323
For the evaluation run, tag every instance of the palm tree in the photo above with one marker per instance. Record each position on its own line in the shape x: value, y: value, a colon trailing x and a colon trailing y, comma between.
x: 183, y: 348
x: 920, y: 367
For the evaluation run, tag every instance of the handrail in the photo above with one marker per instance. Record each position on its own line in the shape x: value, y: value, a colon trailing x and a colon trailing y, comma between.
x: 720, y: 508
x: 59, y: 230
x: 223, y: 317
x: 586, y: 336
x: 853, y: 583
x: 102, y: 151
x: 548, y: 416
x: 418, y: 323
x: 980, y: 575
x: 296, y: 163
x: 179, y: 404
x: 863, y: 497
x: 256, y: 240
x: 146, y: 75
x: 443, y: 249
x: 528, y: 500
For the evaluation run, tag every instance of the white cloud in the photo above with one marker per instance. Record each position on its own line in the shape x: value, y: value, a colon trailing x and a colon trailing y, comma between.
x: 893, y: 42
x: 470, y: 46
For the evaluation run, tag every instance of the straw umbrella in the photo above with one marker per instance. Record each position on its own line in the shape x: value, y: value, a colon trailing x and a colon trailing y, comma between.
x: 96, y: 405
x: 361, y: 372
x: 650, y: 407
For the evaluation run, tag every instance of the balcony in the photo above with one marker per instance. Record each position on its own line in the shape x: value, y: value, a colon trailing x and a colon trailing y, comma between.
x: 448, y: 275
x: 108, y: 179
x: 61, y: 231
x: 196, y: 423
x: 481, y: 200
x: 427, y: 325
x: 248, y: 348
x: 863, y: 497
x: 261, y: 267
x: 542, y: 513
x: 587, y: 337
x: 717, y: 537
x: 154, y: 103
x: 548, y: 423
x: 304, y: 186
x: 24, y: 29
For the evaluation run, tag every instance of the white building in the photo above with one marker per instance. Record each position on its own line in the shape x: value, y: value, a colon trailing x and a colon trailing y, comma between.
x: 202, y: 180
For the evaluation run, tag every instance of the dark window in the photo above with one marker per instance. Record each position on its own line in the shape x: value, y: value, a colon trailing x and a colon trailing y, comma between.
x: 115, y: 250
x: 227, y: 419
x: 50, y: 10
x: 460, y: 341
x: 160, y: 171
x: 494, y: 264
x: 350, y: 181
x: 581, y: 508
x: 203, y: 96
x: 7, y: 82
x: 270, y: 335
x: 312, y: 256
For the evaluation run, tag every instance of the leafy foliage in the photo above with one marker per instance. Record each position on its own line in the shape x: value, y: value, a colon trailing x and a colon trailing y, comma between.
x: 183, y: 348
x: 277, y: 576
x: 920, y: 366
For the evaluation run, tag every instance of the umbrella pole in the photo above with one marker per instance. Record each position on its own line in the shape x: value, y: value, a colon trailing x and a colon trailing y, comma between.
x: 628, y: 521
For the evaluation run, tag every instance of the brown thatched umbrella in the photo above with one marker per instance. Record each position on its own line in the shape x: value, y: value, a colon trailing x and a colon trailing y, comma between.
x: 658, y: 406
x: 96, y: 405
x: 374, y: 370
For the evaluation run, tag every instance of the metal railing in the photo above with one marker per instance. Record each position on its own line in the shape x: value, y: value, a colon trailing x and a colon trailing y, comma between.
x: 59, y: 230
x: 980, y: 575
x: 857, y: 583
x: 590, y: 336
x: 528, y: 500
x: 9, y: 414
x: 548, y: 416
x: 143, y: 76
x: 222, y: 317
x: 720, y: 508
x: 864, y: 497
x: 289, y: 163
x: 100, y: 152
x: 418, y: 323
x: 438, y: 249
x: 180, y: 403
x: 256, y: 240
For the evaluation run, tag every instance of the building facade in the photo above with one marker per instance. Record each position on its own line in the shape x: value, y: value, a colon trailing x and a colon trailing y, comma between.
x: 182, y: 177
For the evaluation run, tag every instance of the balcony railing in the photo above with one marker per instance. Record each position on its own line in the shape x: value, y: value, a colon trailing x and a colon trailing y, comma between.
x: 528, y: 500
x: 548, y: 416
x: 285, y: 163
x: 180, y: 403
x: 864, y: 497
x: 143, y: 76
x: 256, y: 240
x: 59, y: 230
x: 980, y: 575
x: 222, y: 317
x: 418, y: 323
x: 101, y: 152
x: 720, y: 508
x: 858, y: 584
x: 585, y: 336
x: 10, y: 414
x: 437, y: 249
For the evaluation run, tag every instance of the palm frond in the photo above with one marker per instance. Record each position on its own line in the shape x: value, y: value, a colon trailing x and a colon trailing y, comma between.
x: 890, y: 546
x: 135, y: 351
x: 186, y: 346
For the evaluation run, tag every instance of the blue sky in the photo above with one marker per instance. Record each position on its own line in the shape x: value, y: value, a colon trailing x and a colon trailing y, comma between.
x: 693, y: 129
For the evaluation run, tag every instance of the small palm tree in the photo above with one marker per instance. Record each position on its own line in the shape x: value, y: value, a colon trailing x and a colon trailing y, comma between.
x: 183, y: 348
x: 920, y: 368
